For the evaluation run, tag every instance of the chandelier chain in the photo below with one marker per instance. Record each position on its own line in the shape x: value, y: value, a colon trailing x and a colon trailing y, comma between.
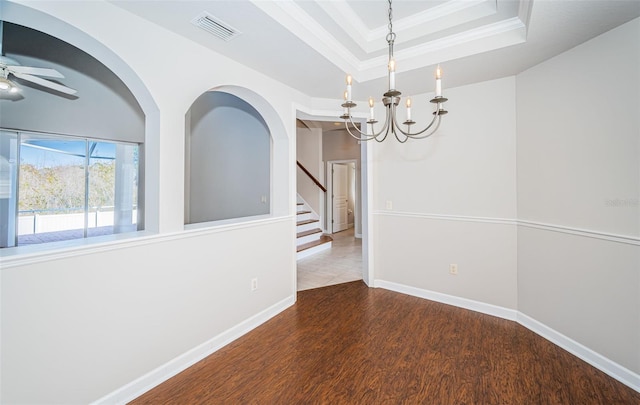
x: 391, y: 36
x: 390, y: 17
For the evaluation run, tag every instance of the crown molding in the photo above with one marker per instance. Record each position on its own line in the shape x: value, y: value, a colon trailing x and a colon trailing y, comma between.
x: 489, y: 37
x: 484, y: 38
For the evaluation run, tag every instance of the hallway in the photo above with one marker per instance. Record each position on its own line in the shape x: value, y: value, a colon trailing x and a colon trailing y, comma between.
x: 340, y: 264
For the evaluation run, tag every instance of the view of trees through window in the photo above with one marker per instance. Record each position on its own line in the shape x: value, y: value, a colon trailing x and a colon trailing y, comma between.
x: 66, y: 188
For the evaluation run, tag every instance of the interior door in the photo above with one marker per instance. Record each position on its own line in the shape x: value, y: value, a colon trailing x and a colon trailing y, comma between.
x: 339, y: 197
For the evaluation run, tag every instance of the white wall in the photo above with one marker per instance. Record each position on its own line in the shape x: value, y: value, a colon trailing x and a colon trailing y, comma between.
x: 453, y: 198
x: 81, y: 322
x: 309, y: 154
x: 229, y: 159
x: 579, y: 169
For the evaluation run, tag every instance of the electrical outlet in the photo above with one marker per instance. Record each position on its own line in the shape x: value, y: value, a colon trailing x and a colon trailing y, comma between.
x: 453, y: 269
x: 254, y: 284
x: 389, y: 205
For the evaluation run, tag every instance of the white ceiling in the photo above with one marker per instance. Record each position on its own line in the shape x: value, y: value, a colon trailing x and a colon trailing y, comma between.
x: 311, y: 44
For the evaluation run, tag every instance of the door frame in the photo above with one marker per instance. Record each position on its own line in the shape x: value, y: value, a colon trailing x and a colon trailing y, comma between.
x: 329, y: 195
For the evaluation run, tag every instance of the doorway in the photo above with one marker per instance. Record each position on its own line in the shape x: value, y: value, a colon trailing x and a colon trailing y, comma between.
x: 342, y: 196
x: 326, y: 144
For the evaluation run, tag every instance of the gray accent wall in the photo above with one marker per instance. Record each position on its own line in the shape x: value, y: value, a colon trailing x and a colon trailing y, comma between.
x: 102, y: 108
x: 579, y: 168
x: 532, y: 187
x: 229, y: 159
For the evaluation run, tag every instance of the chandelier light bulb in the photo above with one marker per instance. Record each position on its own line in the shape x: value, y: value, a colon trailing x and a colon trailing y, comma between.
x: 371, y: 114
x: 438, y: 82
x: 348, y: 94
x: 408, y: 109
x: 392, y: 74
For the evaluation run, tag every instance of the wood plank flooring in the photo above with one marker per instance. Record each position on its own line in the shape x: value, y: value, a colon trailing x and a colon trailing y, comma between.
x: 349, y: 344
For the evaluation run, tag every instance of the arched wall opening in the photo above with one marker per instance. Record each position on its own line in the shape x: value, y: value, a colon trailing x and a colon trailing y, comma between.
x: 47, y: 24
x: 268, y: 193
x: 227, y: 160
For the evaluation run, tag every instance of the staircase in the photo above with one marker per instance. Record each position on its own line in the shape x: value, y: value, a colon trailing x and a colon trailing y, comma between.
x: 310, y: 239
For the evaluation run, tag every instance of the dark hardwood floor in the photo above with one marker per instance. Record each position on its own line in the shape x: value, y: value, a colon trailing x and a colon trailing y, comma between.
x: 349, y: 344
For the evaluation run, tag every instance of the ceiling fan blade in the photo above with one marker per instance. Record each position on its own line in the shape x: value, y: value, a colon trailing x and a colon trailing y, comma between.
x: 45, y: 83
x: 46, y: 72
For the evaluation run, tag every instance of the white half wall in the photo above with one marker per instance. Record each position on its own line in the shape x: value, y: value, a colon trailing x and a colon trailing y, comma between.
x: 77, y: 327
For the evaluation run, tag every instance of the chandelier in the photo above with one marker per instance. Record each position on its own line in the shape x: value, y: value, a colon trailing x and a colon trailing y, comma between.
x: 391, y: 99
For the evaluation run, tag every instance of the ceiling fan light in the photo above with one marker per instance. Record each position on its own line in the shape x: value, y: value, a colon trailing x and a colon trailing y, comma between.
x: 5, y: 84
x: 8, y: 86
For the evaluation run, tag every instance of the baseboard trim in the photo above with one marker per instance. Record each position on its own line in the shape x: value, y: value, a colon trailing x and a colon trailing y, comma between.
x: 610, y: 367
x: 613, y: 369
x: 489, y: 309
x: 161, y: 374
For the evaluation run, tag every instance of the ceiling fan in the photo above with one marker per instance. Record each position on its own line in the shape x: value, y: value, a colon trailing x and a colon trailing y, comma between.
x: 11, y: 67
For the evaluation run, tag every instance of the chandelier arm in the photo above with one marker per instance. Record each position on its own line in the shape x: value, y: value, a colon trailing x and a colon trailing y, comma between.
x: 363, y: 135
x: 432, y: 132
x: 406, y: 138
x: 387, y: 126
x: 353, y: 124
x: 416, y: 135
x: 396, y: 127
x: 384, y: 137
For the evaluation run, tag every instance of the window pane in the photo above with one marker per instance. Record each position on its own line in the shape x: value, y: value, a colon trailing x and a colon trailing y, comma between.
x: 55, y: 188
x: 51, y: 189
x: 126, y: 196
x: 8, y: 183
x: 113, y: 188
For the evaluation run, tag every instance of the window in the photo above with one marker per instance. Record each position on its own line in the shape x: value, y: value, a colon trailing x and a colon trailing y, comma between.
x: 55, y: 188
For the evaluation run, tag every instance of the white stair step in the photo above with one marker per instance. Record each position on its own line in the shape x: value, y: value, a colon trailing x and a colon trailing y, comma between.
x: 304, y: 215
x: 308, y: 236
x: 312, y: 248
x: 307, y: 224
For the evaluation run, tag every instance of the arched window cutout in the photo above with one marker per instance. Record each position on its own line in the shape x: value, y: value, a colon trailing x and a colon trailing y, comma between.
x: 68, y: 170
x: 228, y: 156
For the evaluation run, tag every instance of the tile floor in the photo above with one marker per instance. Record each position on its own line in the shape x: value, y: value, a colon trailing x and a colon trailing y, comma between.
x: 340, y: 264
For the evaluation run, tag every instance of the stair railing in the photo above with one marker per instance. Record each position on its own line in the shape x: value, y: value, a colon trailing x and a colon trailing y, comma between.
x: 316, y: 181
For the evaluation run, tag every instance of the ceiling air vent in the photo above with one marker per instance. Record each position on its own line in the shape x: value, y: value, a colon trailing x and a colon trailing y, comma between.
x: 215, y: 26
